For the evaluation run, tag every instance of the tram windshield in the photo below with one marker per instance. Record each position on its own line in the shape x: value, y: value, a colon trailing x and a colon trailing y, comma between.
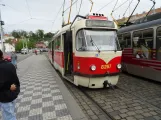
x: 103, y: 40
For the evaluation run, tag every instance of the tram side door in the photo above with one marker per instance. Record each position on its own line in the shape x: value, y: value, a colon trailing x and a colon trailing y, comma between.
x: 52, y: 51
x: 68, y: 53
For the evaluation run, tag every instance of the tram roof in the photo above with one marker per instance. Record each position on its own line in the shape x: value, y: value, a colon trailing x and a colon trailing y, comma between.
x: 140, y: 26
x: 78, y: 25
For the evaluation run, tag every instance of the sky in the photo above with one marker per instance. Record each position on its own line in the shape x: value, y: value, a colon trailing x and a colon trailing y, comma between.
x: 31, y: 15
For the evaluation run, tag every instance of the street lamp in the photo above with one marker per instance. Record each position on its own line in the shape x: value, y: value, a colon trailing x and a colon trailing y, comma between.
x: 1, y: 30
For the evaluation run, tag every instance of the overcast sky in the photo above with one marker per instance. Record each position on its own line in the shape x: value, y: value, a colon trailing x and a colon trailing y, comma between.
x: 31, y: 15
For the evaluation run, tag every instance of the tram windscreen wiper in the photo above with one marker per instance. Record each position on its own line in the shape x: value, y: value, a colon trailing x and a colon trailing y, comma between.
x: 93, y: 43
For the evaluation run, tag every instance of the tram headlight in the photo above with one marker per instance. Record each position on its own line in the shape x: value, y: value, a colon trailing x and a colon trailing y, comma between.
x: 119, y: 66
x: 93, y: 67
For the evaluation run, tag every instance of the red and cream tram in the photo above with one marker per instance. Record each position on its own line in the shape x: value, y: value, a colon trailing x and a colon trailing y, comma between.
x: 87, y: 52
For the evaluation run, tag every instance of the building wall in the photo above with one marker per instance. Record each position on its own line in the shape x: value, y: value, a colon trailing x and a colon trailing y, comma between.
x: 8, y: 47
x: 138, y: 16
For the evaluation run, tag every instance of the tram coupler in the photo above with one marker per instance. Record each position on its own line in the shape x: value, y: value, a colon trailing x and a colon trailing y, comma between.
x: 107, y: 83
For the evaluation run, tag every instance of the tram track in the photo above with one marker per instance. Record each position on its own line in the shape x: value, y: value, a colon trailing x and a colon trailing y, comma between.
x: 82, y: 89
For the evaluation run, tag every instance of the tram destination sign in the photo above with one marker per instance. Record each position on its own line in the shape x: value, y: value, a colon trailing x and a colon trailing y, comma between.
x: 100, y: 23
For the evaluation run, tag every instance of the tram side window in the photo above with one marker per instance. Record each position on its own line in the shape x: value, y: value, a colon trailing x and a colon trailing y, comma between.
x: 122, y: 41
x: 143, y: 43
x: 158, y: 44
x: 148, y: 38
x: 58, y: 43
x: 80, y: 41
x: 136, y: 36
x: 127, y: 38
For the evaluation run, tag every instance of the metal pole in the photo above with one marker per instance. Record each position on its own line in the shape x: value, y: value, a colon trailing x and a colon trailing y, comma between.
x: 1, y: 30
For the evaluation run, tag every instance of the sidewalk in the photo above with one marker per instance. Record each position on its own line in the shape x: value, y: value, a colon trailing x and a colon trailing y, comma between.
x: 43, y: 95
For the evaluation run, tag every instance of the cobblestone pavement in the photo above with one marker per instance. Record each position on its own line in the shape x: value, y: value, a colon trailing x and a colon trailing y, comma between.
x: 90, y: 110
x: 40, y: 97
x: 147, y: 90
x: 136, y: 100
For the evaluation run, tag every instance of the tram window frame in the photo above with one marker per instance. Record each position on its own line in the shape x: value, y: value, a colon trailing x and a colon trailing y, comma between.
x: 149, y: 37
x: 127, y: 42
x: 158, y: 46
x: 83, y: 46
x: 141, y: 38
x: 57, y: 45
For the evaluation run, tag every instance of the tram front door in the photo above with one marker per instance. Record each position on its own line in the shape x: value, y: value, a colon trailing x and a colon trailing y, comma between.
x: 68, y: 54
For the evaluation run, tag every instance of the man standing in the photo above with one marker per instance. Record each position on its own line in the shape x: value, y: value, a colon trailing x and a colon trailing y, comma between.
x: 14, y: 59
x: 9, y: 89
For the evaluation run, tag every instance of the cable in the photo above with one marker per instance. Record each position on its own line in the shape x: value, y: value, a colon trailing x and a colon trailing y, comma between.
x: 105, y: 5
x: 41, y: 19
x: 128, y: 7
x: 19, y: 22
x: 28, y: 9
x: 115, y: 5
x: 70, y: 6
x: 121, y: 4
x: 80, y: 6
x: 57, y: 15
x: 14, y: 8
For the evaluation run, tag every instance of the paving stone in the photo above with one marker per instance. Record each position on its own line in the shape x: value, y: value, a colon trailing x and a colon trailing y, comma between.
x: 149, y: 118
x: 146, y: 114
x: 130, y: 118
x: 117, y: 117
x: 123, y: 115
x: 130, y: 113
x: 90, y: 112
x: 157, y: 117
x: 123, y: 110
x: 115, y: 113
x: 138, y: 116
x: 94, y: 117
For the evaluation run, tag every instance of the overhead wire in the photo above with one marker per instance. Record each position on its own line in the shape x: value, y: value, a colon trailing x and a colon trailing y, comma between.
x: 28, y: 8
x: 14, y: 8
x: 105, y: 5
x: 57, y: 15
x: 70, y: 6
x: 121, y: 5
x: 127, y: 8
x: 80, y: 7
x: 18, y: 23
x: 115, y: 5
x: 41, y: 19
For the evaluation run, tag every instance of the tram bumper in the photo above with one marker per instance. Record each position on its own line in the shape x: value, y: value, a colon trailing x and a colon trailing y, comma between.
x: 96, y: 82
x: 100, y: 82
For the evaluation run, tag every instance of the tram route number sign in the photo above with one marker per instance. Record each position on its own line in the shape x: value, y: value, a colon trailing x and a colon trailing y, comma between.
x: 100, y: 23
x: 107, y: 66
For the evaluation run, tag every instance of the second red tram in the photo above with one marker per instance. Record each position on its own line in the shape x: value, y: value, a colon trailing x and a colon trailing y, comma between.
x: 87, y: 52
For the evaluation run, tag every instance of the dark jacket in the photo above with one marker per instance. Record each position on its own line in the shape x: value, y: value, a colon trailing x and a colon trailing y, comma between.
x: 8, y: 76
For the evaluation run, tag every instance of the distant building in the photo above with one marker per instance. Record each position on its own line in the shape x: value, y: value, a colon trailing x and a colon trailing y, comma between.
x: 7, y: 36
x: 7, y: 47
x: 138, y: 16
x: 41, y: 45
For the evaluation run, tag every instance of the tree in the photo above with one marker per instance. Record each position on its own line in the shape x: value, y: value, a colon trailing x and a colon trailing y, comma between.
x: 48, y: 36
x: 15, y: 34
x: 9, y: 41
x: 19, y: 45
x: 40, y: 34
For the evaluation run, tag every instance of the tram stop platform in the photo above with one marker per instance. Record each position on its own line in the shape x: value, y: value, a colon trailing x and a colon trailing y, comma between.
x: 43, y: 94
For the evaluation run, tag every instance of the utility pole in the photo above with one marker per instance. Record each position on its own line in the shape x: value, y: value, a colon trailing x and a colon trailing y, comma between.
x: 1, y: 30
